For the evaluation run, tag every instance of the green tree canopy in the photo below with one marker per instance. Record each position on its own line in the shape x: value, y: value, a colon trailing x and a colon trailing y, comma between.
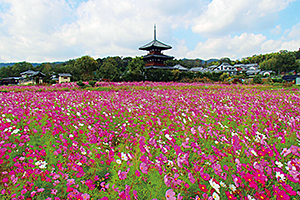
x: 86, y: 65
x: 136, y: 70
x: 109, y: 70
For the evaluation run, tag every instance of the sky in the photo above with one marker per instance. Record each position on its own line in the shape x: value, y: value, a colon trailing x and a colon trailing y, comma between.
x: 59, y: 30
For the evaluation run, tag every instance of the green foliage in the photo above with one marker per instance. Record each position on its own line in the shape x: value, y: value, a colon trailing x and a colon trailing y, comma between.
x: 109, y: 70
x: 80, y: 84
x: 257, y: 79
x: 224, y: 76
x: 86, y: 65
x: 158, y: 75
x: 136, y: 70
x: 92, y: 83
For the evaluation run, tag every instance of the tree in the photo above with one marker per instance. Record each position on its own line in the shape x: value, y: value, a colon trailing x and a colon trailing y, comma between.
x: 268, y: 64
x: 20, y: 67
x: 109, y: 70
x: 136, y: 70
x: 86, y: 65
x: 225, y: 60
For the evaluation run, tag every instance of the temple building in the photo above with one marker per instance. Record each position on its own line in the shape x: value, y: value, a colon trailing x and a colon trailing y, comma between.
x: 155, y: 58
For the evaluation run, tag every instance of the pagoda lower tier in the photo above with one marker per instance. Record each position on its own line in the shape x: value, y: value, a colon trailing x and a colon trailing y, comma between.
x: 156, y: 59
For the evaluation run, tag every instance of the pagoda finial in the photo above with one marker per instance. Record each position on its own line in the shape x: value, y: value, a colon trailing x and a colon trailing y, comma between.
x: 154, y: 31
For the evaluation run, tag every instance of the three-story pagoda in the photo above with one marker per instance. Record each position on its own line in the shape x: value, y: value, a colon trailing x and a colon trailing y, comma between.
x: 155, y: 58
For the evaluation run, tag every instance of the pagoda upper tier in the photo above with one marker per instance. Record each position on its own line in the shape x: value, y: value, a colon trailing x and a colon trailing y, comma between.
x: 155, y: 58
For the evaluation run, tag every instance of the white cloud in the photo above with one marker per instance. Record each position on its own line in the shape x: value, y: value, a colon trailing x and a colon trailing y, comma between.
x: 271, y: 46
x: 225, y: 16
x: 49, y: 30
x: 179, y: 50
x: 232, y: 47
x: 276, y: 30
x: 294, y: 33
x: 289, y: 41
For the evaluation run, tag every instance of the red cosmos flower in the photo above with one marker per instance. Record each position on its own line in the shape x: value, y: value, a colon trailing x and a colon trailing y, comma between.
x: 282, y: 195
x: 230, y: 196
x: 203, y: 188
x: 252, y: 183
x: 261, y: 196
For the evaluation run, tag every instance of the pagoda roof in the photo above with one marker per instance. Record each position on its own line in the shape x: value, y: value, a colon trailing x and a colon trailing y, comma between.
x: 155, y: 44
x: 158, y: 56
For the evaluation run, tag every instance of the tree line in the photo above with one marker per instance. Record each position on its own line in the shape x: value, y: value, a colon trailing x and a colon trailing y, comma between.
x: 118, y: 68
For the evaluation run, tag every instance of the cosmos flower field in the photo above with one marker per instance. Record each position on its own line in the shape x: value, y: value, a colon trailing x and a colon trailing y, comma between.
x: 149, y: 141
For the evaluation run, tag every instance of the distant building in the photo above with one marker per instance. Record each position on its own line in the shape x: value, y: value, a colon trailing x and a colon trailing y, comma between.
x: 180, y: 68
x: 32, y: 77
x: 10, y: 81
x: 64, y: 77
x: 155, y: 58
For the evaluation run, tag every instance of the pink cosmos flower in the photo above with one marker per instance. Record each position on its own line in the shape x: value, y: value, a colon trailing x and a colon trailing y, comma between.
x: 167, y: 180
x: 70, y: 182
x: 170, y: 195
x: 40, y: 190
x: 90, y: 184
x: 176, y: 181
x: 123, y: 175
x: 192, y: 179
x: 144, y: 168
x: 85, y: 196
x: 53, y: 191
x: 205, y: 176
x: 23, y: 191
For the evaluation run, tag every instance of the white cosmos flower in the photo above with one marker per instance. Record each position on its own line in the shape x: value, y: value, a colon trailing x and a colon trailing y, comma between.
x: 279, y: 175
x: 124, y: 156
x: 214, y: 185
x: 279, y: 164
x: 215, y: 196
x: 223, y: 184
x: 118, y: 161
x: 250, y: 197
x: 254, y: 153
x: 168, y: 137
x: 232, y: 187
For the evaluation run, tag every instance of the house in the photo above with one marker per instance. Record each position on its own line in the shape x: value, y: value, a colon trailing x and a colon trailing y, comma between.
x: 196, y: 69
x: 10, y: 81
x: 290, y: 78
x: 180, y: 68
x: 61, y: 78
x: 64, y: 77
x: 32, y: 77
x: 266, y: 73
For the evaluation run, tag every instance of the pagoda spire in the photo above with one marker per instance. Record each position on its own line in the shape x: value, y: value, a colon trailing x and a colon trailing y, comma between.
x: 154, y: 31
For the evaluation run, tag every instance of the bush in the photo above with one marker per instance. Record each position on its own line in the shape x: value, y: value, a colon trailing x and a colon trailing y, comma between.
x: 52, y: 81
x: 80, y: 84
x: 257, y: 79
x: 92, y: 83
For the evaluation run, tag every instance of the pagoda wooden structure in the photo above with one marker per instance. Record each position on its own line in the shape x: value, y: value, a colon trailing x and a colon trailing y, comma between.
x: 155, y: 58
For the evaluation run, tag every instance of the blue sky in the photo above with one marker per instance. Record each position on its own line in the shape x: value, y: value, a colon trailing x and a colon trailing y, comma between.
x: 59, y: 30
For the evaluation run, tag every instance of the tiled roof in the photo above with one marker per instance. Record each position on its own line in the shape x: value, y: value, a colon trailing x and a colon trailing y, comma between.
x: 155, y: 44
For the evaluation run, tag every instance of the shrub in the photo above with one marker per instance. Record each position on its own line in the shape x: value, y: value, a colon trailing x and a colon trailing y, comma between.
x: 92, y: 83
x: 80, y: 84
x: 257, y: 79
